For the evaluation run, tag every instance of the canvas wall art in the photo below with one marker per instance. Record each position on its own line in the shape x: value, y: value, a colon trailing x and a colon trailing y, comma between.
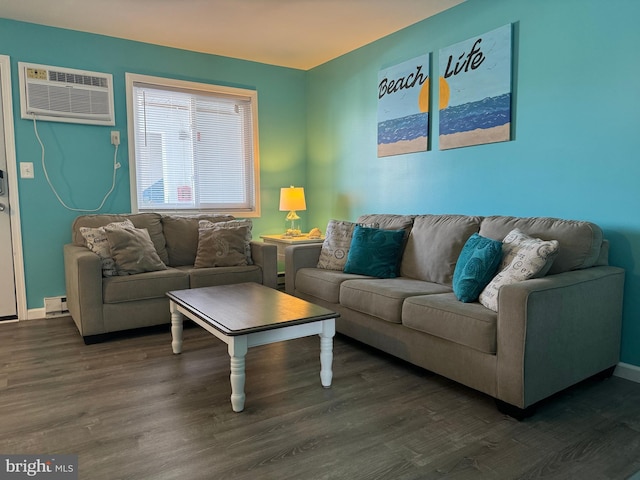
x: 475, y: 90
x: 403, y: 107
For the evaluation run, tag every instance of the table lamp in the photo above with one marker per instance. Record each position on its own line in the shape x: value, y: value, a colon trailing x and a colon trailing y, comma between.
x: 292, y: 199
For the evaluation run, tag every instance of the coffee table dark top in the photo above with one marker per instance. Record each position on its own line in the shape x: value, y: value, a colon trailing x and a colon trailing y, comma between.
x: 243, y: 308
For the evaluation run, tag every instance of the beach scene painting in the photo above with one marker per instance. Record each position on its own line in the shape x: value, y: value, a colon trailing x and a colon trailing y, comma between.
x: 403, y: 107
x: 475, y: 90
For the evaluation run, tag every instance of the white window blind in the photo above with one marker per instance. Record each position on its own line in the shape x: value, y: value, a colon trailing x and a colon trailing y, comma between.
x: 195, y: 147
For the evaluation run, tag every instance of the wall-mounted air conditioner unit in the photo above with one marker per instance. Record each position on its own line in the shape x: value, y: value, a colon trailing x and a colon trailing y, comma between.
x: 59, y: 94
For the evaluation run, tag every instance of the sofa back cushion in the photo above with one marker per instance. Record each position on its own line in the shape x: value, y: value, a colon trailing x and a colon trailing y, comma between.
x: 434, y: 245
x: 181, y: 234
x: 387, y: 221
x: 151, y: 221
x: 580, y: 242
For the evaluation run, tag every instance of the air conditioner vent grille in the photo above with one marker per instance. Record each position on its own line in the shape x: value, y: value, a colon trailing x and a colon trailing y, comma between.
x: 64, y: 95
x: 91, y: 81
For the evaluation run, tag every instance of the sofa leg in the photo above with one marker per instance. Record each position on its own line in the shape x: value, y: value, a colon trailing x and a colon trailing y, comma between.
x: 608, y: 373
x: 98, y: 338
x: 515, y: 412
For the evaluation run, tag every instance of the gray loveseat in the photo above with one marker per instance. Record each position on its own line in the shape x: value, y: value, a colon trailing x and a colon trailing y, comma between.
x: 548, y: 333
x: 101, y: 305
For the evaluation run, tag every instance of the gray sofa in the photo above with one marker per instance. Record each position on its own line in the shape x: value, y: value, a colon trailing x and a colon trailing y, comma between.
x: 101, y: 305
x: 548, y: 333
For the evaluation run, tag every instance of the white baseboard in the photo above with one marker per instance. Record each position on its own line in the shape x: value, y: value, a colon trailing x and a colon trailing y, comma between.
x: 36, y: 313
x: 40, y: 313
x: 628, y: 372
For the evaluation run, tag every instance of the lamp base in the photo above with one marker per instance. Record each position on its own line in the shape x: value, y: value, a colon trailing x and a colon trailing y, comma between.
x: 292, y: 231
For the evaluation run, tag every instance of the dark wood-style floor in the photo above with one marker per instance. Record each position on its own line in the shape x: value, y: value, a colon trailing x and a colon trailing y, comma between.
x: 132, y: 410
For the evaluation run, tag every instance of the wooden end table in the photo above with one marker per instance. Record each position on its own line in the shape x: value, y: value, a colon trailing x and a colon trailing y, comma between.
x: 282, y: 241
x: 247, y: 315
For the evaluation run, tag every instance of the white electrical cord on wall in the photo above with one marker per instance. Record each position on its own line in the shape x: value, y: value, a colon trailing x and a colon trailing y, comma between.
x: 116, y: 165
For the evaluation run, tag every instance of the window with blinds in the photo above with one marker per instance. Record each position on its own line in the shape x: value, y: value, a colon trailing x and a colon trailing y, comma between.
x: 193, y: 147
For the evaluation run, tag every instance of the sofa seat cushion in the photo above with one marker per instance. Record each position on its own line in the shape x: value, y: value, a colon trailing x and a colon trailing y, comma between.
x: 443, y: 316
x: 212, y: 276
x: 580, y: 242
x: 143, y: 285
x: 322, y: 283
x: 383, y: 298
x: 434, y: 245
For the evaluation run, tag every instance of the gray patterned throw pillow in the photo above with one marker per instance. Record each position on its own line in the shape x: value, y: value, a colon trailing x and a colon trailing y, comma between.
x: 335, y: 247
x: 133, y: 251
x: 231, y: 224
x: 524, y: 257
x: 221, y: 247
x: 96, y: 241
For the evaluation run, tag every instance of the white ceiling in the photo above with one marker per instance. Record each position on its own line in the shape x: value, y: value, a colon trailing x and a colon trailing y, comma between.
x: 292, y: 33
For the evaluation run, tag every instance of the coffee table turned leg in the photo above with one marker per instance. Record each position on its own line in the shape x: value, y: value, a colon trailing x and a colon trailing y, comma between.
x: 176, y: 328
x: 326, y: 352
x: 237, y: 352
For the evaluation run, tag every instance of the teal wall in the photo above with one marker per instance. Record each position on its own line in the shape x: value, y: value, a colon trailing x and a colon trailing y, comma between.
x: 79, y: 158
x: 575, y: 152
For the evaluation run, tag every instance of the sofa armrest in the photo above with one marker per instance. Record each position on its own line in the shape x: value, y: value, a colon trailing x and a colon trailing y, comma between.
x: 265, y: 255
x: 83, y: 280
x: 555, y: 331
x: 296, y: 257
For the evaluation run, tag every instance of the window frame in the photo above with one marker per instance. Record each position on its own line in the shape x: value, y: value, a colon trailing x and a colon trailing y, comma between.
x: 164, y: 82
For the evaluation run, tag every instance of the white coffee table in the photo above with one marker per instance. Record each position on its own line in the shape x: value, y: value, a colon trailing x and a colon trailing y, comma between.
x: 247, y: 315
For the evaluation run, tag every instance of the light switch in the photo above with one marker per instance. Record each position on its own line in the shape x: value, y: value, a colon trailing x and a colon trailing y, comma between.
x: 26, y: 169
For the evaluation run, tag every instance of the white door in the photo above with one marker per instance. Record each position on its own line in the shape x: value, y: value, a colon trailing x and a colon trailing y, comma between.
x: 8, y: 306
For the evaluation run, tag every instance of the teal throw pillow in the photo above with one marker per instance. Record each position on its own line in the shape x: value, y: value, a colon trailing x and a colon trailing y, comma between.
x: 375, y: 252
x: 476, y: 266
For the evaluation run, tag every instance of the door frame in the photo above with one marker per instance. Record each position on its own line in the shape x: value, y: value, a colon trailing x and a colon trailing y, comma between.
x: 12, y: 173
